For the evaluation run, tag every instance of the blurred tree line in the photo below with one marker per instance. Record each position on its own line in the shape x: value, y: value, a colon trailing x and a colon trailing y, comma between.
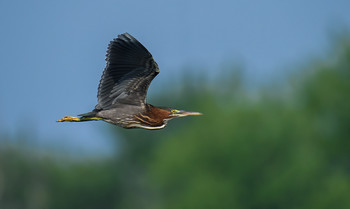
x: 272, y: 149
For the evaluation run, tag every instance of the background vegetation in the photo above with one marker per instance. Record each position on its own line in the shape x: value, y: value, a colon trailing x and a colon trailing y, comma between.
x: 284, y: 146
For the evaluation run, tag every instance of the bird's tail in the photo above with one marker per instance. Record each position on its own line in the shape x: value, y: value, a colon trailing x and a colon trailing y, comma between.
x: 82, y: 117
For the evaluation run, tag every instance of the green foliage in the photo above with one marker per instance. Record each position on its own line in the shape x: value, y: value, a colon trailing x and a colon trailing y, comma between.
x: 274, y: 150
x: 34, y: 181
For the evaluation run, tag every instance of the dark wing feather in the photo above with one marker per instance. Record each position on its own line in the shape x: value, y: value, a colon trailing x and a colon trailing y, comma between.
x: 130, y: 68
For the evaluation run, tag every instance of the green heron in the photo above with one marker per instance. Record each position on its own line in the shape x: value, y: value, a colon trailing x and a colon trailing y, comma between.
x: 129, y: 70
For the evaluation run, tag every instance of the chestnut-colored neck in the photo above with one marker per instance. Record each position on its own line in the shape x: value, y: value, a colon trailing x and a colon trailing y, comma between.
x: 153, y: 116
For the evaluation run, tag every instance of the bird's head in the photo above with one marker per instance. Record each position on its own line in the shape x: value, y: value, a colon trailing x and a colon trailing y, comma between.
x: 157, y: 117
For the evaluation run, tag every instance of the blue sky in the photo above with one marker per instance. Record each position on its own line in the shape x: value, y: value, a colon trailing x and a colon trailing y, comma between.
x: 52, y: 52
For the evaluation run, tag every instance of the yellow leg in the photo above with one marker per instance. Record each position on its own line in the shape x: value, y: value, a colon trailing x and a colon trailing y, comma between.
x: 76, y: 119
x: 91, y: 118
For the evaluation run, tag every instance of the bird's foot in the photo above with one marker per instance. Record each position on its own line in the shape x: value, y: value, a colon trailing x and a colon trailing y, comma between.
x: 69, y: 118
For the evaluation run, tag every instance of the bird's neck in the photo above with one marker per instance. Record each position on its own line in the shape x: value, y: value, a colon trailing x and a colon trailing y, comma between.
x: 157, y: 112
x: 153, y: 116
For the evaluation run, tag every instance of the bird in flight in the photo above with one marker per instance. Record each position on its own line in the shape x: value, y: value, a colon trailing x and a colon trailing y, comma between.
x: 122, y: 91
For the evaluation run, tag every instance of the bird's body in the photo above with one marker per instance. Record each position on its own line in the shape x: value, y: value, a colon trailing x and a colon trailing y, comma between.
x: 122, y: 91
x: 128, y: 116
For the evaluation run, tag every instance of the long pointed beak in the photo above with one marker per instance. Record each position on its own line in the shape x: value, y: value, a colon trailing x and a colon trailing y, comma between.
x: 184, y: 113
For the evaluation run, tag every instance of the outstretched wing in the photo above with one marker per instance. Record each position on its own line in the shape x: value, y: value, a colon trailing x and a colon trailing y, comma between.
x: 130, y: 68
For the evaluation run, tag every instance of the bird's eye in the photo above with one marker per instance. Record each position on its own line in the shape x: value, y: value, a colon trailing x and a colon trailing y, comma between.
x: 174, y: 111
